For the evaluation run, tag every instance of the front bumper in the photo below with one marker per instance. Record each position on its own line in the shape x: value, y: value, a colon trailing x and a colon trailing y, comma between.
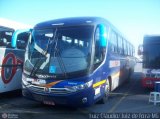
x: 81, y: 98
x: 149, y: 82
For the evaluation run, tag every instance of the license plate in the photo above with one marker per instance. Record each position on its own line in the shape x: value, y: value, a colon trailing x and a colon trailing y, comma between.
x: 48, y: 103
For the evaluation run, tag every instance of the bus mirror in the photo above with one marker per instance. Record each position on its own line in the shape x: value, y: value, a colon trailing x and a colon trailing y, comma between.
x: 15, y: 36
x: 103, y: 36
x: 140, y: 49
x: 21, y: 44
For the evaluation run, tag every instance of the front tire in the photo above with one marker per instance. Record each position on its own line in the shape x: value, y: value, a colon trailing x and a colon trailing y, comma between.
x: 107, y: 92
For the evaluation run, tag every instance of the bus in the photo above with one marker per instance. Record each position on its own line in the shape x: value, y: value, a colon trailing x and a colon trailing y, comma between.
x: 150, y: 50
x: 12, y: 47
x: 75, y: 61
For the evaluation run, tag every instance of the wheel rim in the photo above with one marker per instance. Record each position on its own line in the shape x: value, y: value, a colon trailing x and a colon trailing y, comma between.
x: 107, y: 88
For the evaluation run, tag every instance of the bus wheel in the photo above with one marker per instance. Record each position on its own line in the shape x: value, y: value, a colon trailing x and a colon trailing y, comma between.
x: 106, y: 91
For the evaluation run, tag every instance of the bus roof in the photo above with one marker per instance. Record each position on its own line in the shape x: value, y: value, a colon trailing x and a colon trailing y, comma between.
x: 72, y: 21
x: 5, y: 23
x: 148, y: 39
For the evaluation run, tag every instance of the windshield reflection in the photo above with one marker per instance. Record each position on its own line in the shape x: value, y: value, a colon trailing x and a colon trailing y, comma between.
x: 59, y: 51
x: 151, y: 56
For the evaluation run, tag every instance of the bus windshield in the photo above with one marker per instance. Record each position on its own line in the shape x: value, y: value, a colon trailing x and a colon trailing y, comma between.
x: 59, y: 51
x: 151, y: 56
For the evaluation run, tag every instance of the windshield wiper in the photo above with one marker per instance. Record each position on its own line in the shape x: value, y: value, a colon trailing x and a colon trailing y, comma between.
x: 60, y: 61
x: 35, y: 68
x: 58, y: 55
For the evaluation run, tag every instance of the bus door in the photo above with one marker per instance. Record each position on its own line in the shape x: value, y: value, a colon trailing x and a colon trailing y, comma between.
x: 11, y: 61
x: 99, y: 60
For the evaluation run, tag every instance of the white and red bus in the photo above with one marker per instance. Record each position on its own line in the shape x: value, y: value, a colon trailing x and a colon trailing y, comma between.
x: 150, y: 50
x: 12, y: 46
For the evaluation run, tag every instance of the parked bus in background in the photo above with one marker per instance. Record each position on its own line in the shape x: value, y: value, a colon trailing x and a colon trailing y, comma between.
x: 151, y: 60
x: 75, y: 61
x: 12, y: 47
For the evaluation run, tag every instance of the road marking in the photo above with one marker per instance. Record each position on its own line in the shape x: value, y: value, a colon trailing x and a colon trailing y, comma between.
x: 119, y: 94
x: 125, y: 94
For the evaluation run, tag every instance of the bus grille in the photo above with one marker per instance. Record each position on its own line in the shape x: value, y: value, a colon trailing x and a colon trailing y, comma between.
x: 59, y: 91
x: 36, y: 88
x: 49, y: 90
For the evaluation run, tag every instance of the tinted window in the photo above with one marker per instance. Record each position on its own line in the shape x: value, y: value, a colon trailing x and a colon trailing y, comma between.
x: 113, y: 38
x: 120, y: 45
x: 5, y: 38
x: 151, y: 56
x: 22, y: 40
x: 61, y: 50
x: 125, y: 47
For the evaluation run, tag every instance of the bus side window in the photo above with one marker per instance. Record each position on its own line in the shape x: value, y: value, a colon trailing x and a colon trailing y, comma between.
x: 130, y: 49
x: 97, y: 57
x: 133, y: 51
x: 125, y: 47
x: 5, y: 39
x: 114, y: 43
x: 22, y: 40
x: 120, y: 45
x: 100, y: 44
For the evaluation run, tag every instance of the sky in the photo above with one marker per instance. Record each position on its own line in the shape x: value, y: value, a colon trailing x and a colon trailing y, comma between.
x: 134, y: 18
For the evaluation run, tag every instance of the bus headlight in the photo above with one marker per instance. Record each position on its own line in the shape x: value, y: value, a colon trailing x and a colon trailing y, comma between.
x: 83, y: 86
x: 88, y: 84
x: 24, y: 81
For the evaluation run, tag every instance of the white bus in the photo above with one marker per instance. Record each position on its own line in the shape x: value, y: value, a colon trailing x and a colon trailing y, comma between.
x: 12, y: 46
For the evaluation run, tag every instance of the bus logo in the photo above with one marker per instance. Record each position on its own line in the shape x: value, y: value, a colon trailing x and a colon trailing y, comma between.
x: 9, y: 67
x: 46, y: 90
